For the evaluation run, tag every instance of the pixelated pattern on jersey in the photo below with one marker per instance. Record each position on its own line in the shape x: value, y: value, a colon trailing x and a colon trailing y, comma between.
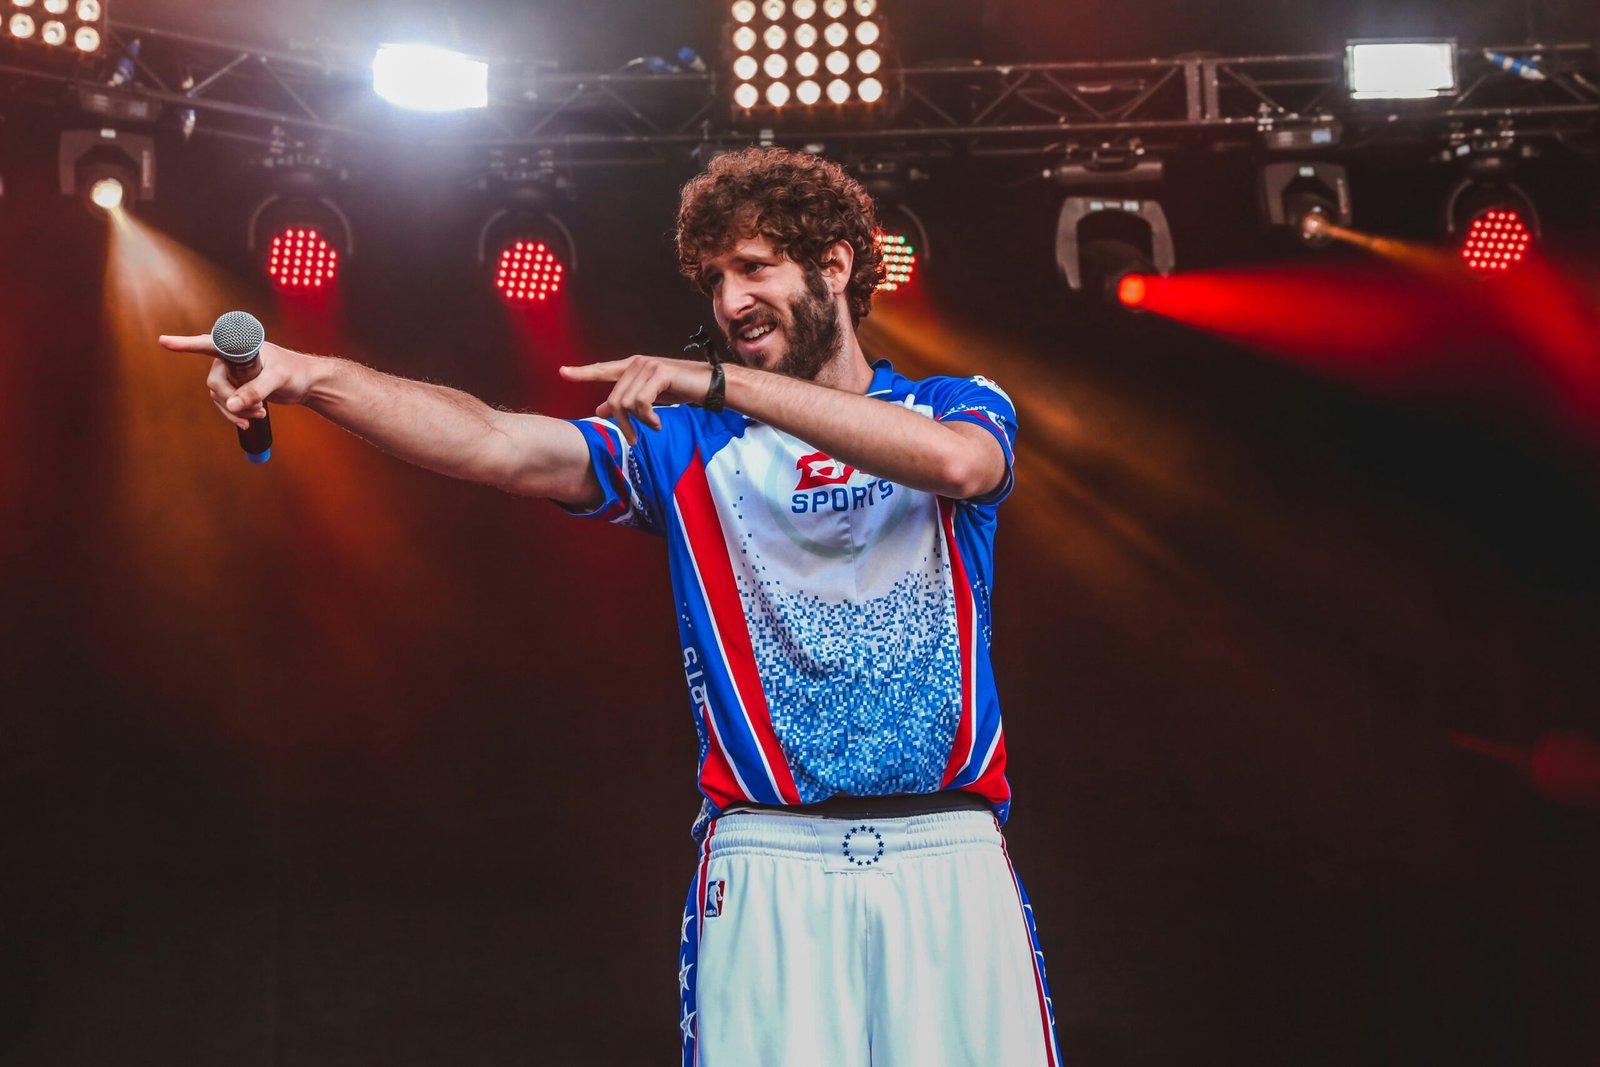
x: 864, y: 697
x: 980, y: 597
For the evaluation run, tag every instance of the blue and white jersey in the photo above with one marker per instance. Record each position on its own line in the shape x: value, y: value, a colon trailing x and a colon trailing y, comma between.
x: 835, y: 626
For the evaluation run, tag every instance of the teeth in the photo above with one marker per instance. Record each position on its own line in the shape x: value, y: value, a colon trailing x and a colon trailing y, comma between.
x: 756, y: 333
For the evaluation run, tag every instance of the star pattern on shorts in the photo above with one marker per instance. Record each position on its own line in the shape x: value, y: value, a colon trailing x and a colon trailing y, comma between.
x: 683, y: 977
x: 683, y: 936
x: 686, y: 1024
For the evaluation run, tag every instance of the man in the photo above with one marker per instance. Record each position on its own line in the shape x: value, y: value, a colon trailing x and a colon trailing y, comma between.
x: 829, y: 527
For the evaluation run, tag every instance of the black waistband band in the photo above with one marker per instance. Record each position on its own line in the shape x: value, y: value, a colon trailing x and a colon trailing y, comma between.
x: 841, y: 806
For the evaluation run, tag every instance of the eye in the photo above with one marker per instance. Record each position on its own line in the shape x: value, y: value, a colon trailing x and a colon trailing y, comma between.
x: 754, y: 268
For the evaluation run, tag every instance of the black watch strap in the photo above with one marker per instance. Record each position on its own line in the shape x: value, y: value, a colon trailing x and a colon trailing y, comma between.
x: 716, y: 393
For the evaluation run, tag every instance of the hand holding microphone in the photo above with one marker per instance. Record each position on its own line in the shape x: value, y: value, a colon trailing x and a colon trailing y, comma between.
x: 238, y: 337
x: 248, y: 373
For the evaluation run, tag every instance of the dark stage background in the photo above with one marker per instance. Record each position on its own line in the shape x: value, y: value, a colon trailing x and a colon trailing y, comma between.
x: 337, y: 762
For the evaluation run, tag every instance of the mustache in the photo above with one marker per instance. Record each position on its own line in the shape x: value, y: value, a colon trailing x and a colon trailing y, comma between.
x: 759, y: 317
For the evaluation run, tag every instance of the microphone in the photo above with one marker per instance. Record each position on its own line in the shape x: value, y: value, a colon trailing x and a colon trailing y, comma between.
x: 238, y: 337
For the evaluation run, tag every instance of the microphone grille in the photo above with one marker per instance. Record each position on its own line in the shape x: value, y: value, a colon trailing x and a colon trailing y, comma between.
x: 238, y: 336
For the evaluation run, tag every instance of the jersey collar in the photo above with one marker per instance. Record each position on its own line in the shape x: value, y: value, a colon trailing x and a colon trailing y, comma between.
x: 882, y: 378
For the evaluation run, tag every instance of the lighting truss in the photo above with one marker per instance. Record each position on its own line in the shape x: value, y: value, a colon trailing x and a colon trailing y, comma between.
x: 978, y: 109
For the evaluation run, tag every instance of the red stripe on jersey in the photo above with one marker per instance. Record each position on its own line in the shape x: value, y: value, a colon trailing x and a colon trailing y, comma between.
x: 611, y: 445
x: 961, y: 749
x: 717, y: 780
x: 709, y: 548
x: 991, y: 784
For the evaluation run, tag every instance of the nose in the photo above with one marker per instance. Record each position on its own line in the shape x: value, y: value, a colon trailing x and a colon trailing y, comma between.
x: 733, y: 298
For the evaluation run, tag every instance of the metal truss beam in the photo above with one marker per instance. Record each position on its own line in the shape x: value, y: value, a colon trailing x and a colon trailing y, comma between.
x: 323, y: 94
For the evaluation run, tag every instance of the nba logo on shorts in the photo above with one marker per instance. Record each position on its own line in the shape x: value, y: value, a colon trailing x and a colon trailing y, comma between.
x: 714, y: 898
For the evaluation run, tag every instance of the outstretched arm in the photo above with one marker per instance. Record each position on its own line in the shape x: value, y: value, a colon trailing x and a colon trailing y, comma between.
x: 433, y: 426
x: 956, y: 460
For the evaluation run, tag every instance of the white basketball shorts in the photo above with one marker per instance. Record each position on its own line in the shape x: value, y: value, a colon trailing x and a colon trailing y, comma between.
x: 889, y: 942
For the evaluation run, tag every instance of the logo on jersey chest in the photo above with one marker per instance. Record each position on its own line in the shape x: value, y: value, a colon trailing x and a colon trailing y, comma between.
x: 818, y: 469
x: 824, y: 486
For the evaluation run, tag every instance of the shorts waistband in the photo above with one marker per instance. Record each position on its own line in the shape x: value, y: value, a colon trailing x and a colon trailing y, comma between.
x: 849, y: 844
x: 842, y: 806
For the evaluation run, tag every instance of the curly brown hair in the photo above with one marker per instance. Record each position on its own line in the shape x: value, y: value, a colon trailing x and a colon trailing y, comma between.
x: 802, y: 203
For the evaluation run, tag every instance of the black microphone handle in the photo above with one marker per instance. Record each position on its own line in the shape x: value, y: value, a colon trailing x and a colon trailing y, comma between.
x: 257, y: 439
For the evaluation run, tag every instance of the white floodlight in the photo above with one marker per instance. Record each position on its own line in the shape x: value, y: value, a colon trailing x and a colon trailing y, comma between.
x: 107, y: 194
x: 420, y: 77
x: 1400, y: 70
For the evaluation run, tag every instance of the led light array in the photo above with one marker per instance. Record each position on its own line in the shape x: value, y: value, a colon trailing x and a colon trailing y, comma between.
x: 802, y: 51
x: 301, y: 259
x: 1496, y: 241
x: 57, y: 22
x: 899, y: 261
x: 529, y: 271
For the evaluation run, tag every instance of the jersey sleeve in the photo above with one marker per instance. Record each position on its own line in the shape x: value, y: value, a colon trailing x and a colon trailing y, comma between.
x: 625, y: 474
x: 983, y: 403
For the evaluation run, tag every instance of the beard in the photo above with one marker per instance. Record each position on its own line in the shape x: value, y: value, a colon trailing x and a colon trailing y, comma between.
x: 813, y: 331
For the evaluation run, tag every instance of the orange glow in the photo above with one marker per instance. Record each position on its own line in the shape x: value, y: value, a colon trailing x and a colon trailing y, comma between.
x: 223, y: 548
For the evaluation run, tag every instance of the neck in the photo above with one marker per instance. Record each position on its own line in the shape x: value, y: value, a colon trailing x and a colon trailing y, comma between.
x: 849, y: 370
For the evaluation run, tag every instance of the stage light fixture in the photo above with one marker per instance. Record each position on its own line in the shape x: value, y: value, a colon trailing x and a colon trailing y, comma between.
x: 420, y: 77
x: 301, y: 258
x: 301, y: 240
x: 1292, y: 193
x: 1101, y: 241
x: 777, y: 51
x: 1400, y: 70
x: 108, y: 169
x: 903, y: 242
x: 56, y: 24
x: 529, y: 255
x: 1494, y: 223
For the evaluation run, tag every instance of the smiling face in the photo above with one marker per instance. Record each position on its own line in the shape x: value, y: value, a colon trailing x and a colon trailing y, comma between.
x: 775, y: 314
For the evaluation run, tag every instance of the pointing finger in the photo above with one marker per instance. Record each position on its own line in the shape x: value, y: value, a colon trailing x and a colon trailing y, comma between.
x: 595, y: 372
x: 198, y: 343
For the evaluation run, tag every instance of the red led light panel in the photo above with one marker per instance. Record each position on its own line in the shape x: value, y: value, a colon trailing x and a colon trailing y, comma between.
x: 529, y: 272
x: 301, y: 259
x: 1496, y: 241
x: 899, y: 260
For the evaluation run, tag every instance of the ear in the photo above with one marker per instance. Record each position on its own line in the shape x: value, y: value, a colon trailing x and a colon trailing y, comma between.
x: 837, y: 261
